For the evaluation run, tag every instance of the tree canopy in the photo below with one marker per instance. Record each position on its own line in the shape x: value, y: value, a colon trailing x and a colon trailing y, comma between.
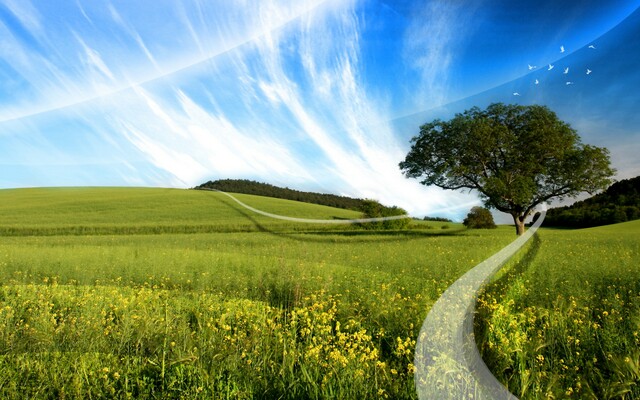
x: 515, y: 156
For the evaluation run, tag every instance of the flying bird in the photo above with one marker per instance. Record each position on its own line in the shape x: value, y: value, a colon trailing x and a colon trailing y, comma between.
x: 569, y: 83
x: 592, y: 46
x: 561, y: 49
x: 516, y: 94
x: 537, y: 81
x: 566, y: 70
x: 550, y: 67
x: 588, y: 71
x: 531, y: 67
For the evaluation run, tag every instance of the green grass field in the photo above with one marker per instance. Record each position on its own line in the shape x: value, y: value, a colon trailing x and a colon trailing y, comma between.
x: 565, y: 321
x: 164, y: 293
x: 160, y: 293
x: 64, y: 211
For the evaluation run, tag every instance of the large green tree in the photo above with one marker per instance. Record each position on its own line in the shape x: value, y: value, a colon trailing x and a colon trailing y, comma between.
x: 516, y: 157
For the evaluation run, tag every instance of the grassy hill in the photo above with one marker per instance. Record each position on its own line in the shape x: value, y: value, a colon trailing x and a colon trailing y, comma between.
x: 216, y: 301
x: 369, y: 207
x: 264, y: 189
x: 48, y: 211
x: 167, y: 293
x: 630, y: 228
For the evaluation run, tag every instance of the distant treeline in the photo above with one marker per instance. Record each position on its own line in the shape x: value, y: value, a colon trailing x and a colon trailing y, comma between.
x: 619, y: 203
x: 436, y: 219
x: 264, y: 189
x: 369, y: 208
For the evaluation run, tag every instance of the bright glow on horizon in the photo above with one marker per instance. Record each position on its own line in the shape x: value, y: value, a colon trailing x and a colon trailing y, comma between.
x: 316, y: 95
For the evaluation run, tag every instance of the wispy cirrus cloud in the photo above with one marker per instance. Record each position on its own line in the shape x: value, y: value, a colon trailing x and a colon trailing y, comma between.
x: 344, y: 128
x: 133, y: 34
x: 227, y: 26
x: 294, y: 93
x: 27, y: 14
x: 290, y: 107
x: 431, y: 46
x: 192, y: 143
x: 94, y: 61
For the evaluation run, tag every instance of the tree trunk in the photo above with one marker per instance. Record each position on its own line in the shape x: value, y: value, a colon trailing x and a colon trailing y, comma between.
x: 519, y: 221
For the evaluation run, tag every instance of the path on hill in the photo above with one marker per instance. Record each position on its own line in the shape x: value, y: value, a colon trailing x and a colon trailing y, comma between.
x: 447, y: 360
x: 307, y: 220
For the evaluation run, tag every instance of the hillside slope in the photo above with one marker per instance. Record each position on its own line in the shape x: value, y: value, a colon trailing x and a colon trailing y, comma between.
x: 54, y: 211
x: 264, y: 189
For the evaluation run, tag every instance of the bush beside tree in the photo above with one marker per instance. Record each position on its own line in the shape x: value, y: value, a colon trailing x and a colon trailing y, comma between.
x: 479, y: 218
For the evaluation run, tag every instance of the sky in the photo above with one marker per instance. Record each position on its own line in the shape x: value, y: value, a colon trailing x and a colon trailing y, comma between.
x: 308, y: 94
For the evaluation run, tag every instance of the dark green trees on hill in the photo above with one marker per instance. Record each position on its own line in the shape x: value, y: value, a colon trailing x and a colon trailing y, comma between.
x: 619, y: 203
x: 369, y: 208
x: 264, y: 189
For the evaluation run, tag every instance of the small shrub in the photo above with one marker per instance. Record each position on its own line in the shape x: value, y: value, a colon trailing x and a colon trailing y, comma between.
x: 479, y: 218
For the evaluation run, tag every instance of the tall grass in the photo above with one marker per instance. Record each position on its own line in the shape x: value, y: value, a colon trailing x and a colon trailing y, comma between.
x: 273, y: 311
x: 565, y: 322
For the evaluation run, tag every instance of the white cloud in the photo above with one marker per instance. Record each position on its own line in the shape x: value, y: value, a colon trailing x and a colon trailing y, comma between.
x: 134, y: 34
x: 227, y: 26
x: 281, y: 98
x: 349, y: 129
x: 181, y: 165
x: 195, y: 144
x: 93, y: 59
x: 159, y: 112
x: 83, y: 12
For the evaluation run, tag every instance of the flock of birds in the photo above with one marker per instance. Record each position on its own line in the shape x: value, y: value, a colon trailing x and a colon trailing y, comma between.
x: 551, y: 66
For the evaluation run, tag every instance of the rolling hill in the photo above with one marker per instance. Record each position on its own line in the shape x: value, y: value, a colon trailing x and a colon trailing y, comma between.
x: 264, y: 189
x: 55, y: 211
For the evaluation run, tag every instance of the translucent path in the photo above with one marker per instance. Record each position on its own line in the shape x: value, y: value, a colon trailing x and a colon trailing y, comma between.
x: 447, y: 360
x: 310, y: 221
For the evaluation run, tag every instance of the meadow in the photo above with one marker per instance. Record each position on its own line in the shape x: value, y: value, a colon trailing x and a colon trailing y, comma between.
x: 563, y: 321
x: 165, y: 293
x: 161, y: 293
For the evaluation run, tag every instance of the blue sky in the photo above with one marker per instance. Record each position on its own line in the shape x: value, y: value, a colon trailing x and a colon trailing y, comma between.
x: 313, y: 95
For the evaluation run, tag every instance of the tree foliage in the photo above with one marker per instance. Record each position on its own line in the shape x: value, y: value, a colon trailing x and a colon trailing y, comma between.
x: 436, y: 219
x: 479, y: 218
x: 516, y: 157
